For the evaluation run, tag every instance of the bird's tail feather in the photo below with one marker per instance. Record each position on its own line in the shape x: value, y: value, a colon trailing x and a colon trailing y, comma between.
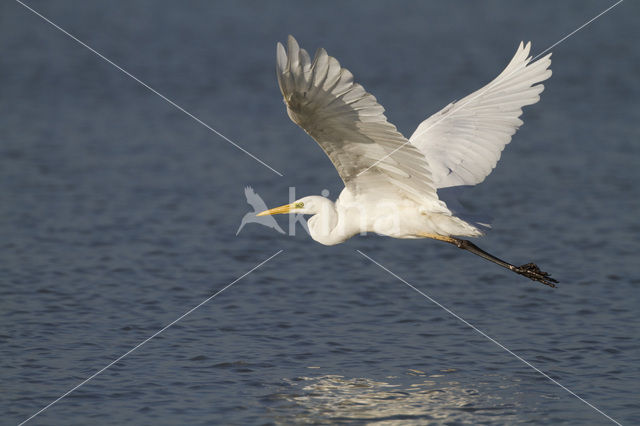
x: 451, y: 196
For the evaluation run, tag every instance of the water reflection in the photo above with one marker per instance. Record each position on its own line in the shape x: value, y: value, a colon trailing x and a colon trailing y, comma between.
x: 415, y: 399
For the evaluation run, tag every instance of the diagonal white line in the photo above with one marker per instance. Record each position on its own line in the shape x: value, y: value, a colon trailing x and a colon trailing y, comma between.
x: 491, y: 339
x: 150, y: 337
x: 576, y: 30
x: 148, y: 87
x: 482, y: 92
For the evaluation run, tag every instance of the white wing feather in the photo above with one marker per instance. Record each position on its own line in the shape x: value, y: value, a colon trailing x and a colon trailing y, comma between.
x: 350, y: 126
x: 463, y: 141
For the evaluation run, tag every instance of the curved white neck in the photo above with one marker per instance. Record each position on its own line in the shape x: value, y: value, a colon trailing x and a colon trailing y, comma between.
x: 323, y: 224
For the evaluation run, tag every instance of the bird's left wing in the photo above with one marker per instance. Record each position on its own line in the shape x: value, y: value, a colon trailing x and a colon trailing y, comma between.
x: 350, y: 126
x: 463, y: 141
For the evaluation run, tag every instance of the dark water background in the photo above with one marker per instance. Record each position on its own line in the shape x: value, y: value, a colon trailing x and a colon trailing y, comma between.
x: 118, y: 213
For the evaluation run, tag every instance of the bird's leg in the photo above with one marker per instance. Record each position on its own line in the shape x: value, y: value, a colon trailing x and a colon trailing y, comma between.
x: 529, y: 270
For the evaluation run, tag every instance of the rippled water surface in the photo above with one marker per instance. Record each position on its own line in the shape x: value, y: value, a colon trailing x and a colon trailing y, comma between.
x: 118, y: 214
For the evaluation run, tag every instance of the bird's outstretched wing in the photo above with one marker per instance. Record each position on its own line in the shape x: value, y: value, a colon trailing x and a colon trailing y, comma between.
x: 350, y: 126
x: 463, y: 141
x: 254, y: 200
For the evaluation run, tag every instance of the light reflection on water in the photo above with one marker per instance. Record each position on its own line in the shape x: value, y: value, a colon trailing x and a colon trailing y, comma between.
x: 119, y: 213
x: 335, y: 398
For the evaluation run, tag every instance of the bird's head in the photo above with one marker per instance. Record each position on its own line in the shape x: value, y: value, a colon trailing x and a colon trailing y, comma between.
x: 306, y: 205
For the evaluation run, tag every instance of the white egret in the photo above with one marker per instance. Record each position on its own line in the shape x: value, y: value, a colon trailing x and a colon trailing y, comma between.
x: 391, y: 182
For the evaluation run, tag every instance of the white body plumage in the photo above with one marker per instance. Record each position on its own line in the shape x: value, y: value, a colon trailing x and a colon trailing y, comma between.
x: 391, y: 182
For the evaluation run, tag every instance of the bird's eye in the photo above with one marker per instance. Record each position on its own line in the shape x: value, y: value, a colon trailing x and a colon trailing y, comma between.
x: 299, y: 205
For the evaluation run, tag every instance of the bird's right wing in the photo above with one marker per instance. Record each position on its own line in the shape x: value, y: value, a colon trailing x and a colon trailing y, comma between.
x: 463, y: 141
x: 350, y: 126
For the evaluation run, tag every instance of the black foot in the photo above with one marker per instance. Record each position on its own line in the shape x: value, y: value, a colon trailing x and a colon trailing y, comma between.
x: 531, y: 271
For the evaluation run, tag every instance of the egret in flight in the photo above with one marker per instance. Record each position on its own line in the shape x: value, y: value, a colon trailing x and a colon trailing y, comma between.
x: 391, y: 182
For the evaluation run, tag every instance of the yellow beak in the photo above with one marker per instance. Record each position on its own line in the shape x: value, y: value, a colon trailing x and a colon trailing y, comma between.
x: 282, y: 209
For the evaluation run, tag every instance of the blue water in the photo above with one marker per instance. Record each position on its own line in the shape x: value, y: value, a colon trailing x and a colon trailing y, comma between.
x: 118, y: 214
